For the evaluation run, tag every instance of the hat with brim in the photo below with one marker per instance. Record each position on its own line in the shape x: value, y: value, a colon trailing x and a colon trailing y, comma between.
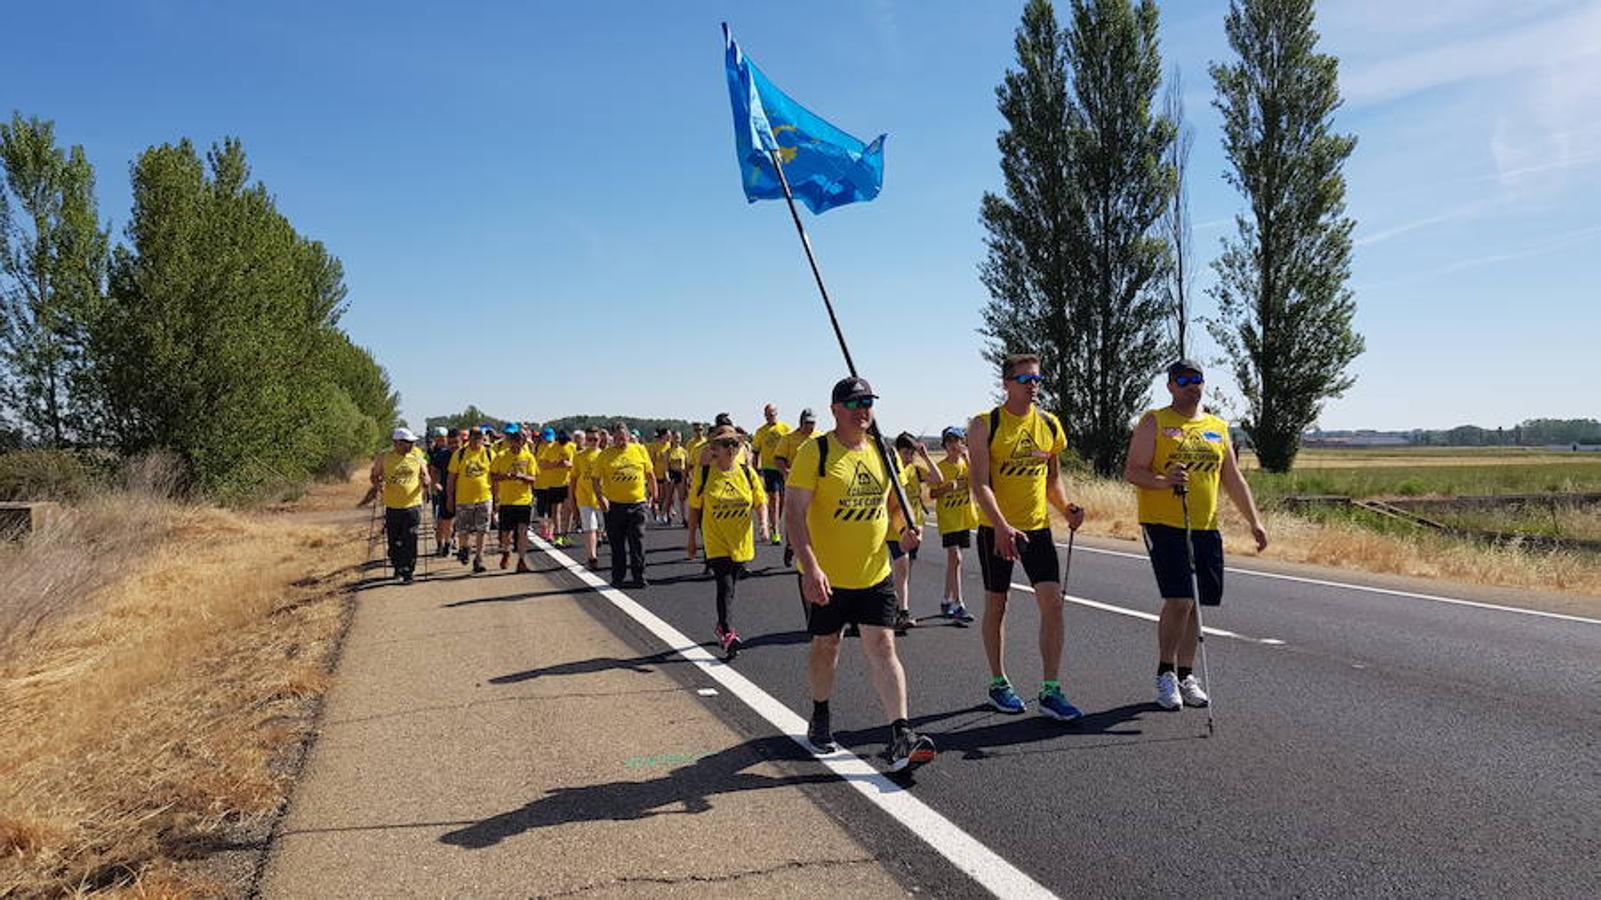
x: 852, y: 389
x: 403, y: 434
x: 1184, y: 366
x: 723, y: 432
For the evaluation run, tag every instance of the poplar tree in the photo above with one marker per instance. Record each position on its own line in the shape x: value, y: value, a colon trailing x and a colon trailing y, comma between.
x: 1284, y: 310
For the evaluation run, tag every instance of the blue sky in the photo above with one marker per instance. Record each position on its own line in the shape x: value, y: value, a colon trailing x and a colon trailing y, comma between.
x: 539, y: 210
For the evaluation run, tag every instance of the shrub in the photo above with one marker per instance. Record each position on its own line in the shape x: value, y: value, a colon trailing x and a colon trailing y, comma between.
x: 44, y: 475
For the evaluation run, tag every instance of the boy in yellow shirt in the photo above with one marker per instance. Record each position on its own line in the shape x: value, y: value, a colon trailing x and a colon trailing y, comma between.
x: 727, y: 498
x: 957, y: 517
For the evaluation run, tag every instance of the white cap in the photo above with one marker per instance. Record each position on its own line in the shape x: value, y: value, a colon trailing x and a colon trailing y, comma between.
x: 402, y: 434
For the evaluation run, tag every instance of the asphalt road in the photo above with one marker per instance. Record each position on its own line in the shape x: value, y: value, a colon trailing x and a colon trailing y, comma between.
x: 1366, y: 743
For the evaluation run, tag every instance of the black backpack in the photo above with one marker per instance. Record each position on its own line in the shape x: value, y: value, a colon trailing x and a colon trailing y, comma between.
x: 995, y: 424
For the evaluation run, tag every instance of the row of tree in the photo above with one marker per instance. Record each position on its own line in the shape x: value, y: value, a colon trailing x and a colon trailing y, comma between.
x: 212, y: 332
x: 1528, y: 433
x: 472, y: 416
x: 1088, y: 249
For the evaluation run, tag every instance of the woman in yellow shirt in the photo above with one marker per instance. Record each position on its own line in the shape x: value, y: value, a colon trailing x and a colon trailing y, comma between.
x: 728, y: 496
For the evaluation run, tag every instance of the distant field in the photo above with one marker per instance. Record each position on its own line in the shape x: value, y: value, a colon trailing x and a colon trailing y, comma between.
x: 1413, y: 457
x: 1433, y: 478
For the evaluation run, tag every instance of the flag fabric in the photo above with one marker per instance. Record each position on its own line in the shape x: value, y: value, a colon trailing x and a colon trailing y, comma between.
x: 825, y: 166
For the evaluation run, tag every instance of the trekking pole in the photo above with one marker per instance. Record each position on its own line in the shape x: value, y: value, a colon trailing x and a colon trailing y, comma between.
x: 1195, y: 588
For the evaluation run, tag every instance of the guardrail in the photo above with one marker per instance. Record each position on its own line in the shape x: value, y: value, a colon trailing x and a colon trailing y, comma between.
x: 1397, y: 509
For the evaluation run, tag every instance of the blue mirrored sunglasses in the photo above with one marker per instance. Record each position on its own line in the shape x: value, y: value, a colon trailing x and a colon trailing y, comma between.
x: 1187, y: 380
x: 1028, y: 379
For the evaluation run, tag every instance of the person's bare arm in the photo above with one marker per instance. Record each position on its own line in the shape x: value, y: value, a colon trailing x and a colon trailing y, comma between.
x: 1239, y: 491
x: 814, y: 584
x: 1056, y: 495
x: 376, y: 476
x: 1141, y: 451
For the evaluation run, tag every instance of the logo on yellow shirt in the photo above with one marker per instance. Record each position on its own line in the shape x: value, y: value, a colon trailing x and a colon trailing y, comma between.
x: 1027, y: 458
x: 864, y: 496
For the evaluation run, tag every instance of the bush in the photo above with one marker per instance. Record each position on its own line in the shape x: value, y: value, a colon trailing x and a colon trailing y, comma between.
x: 44, y: 475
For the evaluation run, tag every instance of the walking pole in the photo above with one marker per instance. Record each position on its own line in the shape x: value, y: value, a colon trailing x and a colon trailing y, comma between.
x: 891, y: 464
x: 1195, y: 589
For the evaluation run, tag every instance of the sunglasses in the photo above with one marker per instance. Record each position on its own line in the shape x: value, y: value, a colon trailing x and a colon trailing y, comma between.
x: 725, y: 444
x: 1027, y: 379
x: 858, y: 403
x: 1187, y: 380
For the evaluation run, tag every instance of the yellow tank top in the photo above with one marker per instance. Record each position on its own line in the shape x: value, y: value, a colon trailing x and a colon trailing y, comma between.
x: 1199, y: 444
x: 403, y: 479
x: 1021, y: 449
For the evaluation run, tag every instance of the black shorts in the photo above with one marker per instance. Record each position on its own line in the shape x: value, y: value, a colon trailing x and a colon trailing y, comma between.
x: 895, y: 551
x: 862, y: 606
x: 550, y: 499
x: 1038, y: 557
x: 773, y: 481
x: 675, y: 476
x: 439, y: 507
x: 514, y: 517
x: 1165, y: 544
x: 963, y: 539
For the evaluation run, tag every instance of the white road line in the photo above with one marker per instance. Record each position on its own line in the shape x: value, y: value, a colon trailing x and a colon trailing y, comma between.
x: 1455, y: 601
x: 1151, y: 617
x: 998, y: 876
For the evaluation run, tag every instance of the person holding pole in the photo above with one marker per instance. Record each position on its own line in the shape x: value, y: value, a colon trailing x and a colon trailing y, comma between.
x: 1178, y: 457
x: 1016, y: 478
x: 839, y: 517
x: 401, y: 474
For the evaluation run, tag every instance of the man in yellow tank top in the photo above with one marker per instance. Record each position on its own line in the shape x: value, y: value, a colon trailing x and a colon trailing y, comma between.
x: 1016, y: 476
x: 1183, y: 446
x: 401, y: 475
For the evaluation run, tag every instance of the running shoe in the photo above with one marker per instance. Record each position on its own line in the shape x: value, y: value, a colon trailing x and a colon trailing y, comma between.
x: 904, y: 621
x: 405, y: 577
x: 789, y: 556
x: 443, y: 551
x: 853, y: 630
x: 478, y: 565
x: 961, y: 614
x: 1053, y: 703
x: 461, y: 556
x: 1003, y: 698
x: 505, y: 560
x: 594, y: 564
x: 522, y: 567
x: 730, y: 642
x: 1190, y: 690
x: 909, y: 750
x: 945, y: 609
x: 819, y: 735
x: 1167, y: 691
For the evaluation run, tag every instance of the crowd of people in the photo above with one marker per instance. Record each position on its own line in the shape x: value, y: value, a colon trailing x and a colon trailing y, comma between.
x: 831, y: 500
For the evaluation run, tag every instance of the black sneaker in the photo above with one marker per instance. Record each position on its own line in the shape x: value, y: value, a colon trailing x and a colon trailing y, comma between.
x: 405, y: 578
x: 478, y: 565
x: 789, y: 556
x: 461, y: 556
x: 909, y: 750
x: 904, y: 620
x: 443, y: 551
x: 819, y: 735
x: 853, y: 630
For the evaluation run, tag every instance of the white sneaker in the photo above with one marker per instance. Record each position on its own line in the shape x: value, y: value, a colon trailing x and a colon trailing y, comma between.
x: 1190, y: 690
x: 1167, y: 691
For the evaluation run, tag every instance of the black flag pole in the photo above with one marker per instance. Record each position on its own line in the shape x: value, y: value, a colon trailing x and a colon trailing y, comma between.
x: 891, y: 464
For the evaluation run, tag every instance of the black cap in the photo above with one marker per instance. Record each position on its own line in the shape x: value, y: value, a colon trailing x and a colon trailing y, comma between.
x: 1180, y: 366
x: 852, y: 389
x: 723, y: 419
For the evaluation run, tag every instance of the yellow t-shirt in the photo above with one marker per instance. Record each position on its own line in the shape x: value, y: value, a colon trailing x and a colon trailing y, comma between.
x: 766, y: 442
x: 1021, y: 450
x: 512, y: 491
x: 912, y: 482
x: 1199, y: 444
x: 622, y: 471
x: 789, y: 445
x: 726, y: 505
x: 849, y: 513
x: 692, y: 448
x: 955, y: 510
x: 403, y: 478
x: 583, y: 470
x: 676, y: 457
x: 658, y: 459
x: 557, y: 476
x: 471, y: 468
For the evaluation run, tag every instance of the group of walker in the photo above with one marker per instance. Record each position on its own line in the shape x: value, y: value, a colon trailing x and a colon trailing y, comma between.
x: 829, y: 499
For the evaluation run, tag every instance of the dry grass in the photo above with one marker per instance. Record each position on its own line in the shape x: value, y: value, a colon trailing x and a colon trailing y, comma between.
x: 148, y: 727
x: 1426, y: 457
x: 1113, y: 513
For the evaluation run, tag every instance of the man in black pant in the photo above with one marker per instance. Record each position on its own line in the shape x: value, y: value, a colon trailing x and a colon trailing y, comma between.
x: 625, y: 480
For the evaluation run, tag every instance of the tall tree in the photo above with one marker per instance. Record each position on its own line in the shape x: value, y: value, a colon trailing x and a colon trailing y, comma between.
x: 1176, y: 219
x: 1074, y: 255
x: 53, y: 258
x: 1284, y: 311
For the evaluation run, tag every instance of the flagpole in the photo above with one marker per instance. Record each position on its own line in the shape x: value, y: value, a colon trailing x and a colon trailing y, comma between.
x: 891, y: 464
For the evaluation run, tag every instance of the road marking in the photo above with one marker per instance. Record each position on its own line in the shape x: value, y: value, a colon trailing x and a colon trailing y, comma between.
x: 1152, y: 617
x: 1455, y: 601
x: 979, y: 862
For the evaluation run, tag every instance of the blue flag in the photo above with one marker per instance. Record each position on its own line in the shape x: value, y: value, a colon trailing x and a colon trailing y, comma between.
x: 825, y: 166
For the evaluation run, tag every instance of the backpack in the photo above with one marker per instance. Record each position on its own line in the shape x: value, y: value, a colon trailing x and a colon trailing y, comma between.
x: 706, y: 471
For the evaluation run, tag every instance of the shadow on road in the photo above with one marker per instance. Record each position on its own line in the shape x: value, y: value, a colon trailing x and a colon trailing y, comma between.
x: 517, y: 598
x: 992, y: 731
x: 640, y: 664
x: 686, y: 790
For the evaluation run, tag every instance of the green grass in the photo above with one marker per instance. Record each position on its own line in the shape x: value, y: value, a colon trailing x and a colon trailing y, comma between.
x: 1429, y: 481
